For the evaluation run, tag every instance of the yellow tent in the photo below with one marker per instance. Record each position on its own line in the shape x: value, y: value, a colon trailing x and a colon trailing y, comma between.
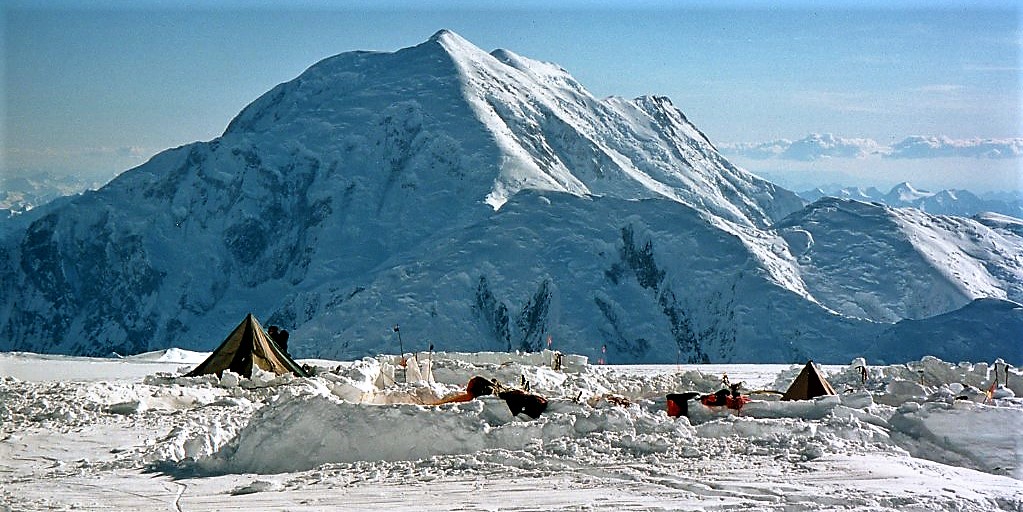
x: 246, y: 346
x: 808, y: 384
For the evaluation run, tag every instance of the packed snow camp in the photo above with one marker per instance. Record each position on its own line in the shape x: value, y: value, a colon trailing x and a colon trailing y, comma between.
x: 250, y: 427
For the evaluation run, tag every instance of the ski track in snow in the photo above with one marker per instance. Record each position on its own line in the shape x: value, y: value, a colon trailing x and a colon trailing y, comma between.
x: 136, y: 435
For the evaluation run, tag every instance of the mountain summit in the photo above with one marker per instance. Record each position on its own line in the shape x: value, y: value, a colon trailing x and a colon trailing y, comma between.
x: 531, y: 123
x: 484, y: 201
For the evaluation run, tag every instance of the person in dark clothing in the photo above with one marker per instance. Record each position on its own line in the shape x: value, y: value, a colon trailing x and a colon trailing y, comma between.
x: 521, y: 401
x: 518, y: 401
x: 280, y: 337
x: 282, y: 340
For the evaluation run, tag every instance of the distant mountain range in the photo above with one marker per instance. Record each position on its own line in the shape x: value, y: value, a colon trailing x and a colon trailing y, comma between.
x: 944, y: 202
x: 818, y: 146
x: 486, y: 201
x: 24, y: 191
x: 21, y: 191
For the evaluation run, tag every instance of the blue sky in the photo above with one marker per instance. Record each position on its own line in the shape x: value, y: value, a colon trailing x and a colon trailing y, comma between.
x: 101, y: 86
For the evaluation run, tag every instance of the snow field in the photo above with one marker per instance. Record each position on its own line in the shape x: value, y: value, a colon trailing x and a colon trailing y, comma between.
x: 605, y: 442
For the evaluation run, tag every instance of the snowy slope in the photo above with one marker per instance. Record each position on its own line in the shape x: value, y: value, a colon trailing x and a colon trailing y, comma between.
x: 485, y: 200
x: 885, y: 264
x: 976, y: 328
x: 650, y: 280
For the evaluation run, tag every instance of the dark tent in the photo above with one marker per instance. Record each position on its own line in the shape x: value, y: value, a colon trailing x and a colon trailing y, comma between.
x: 248, y: 345
x: 808, y: 384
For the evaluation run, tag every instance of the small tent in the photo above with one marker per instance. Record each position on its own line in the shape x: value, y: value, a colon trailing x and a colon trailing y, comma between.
x: 248, y: 345
x: 808, y: 384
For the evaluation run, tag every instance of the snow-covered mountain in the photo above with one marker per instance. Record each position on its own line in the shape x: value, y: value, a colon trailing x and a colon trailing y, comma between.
x: 944, y: 202
x: 483, y: 201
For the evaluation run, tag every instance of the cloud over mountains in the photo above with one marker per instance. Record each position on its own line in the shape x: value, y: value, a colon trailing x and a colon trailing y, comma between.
x: 824, y: 146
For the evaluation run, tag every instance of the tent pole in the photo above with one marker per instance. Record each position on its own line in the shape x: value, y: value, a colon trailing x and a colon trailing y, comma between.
x: 401, y: 356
